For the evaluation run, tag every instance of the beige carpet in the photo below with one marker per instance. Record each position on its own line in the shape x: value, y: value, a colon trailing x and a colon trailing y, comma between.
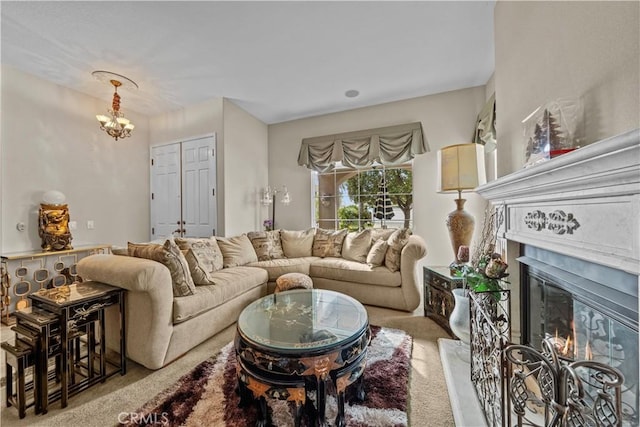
x: 102, y: 404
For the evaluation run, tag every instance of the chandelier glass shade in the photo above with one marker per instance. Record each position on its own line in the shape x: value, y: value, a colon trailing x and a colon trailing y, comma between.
x: 115, y: 123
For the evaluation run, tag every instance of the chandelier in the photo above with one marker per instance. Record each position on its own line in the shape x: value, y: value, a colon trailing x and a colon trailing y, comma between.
x: 115, y: 124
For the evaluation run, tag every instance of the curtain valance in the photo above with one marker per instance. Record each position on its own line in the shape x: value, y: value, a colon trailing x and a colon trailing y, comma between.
x: 486, y: 125
x: 389, y: 145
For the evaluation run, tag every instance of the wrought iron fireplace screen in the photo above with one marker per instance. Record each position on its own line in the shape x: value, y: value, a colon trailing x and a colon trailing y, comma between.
x: 589, y: 313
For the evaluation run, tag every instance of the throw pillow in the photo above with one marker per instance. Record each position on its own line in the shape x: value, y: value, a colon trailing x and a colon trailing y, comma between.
x: 203, y: 257
x: 120, y: 251
x: 356, y: 245
x: 381, y: 233
x: 376, y: 255
x: 170, y: 256
x: 236, y: 251
x: 328, y: 242
x: 266, y: 244
x: 396, y: 242
x: 297, y: 244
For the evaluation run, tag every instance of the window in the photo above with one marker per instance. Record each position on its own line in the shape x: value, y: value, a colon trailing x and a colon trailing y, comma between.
x: 357, y: 198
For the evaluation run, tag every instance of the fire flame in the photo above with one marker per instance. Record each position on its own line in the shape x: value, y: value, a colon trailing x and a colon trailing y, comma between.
x: 568, y: 347
x: 587, y: 352
x: 575, y: 340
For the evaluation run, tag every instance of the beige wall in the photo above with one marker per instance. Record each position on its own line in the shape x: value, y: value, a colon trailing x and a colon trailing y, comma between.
x: 550, y: 50
x: 191, y: 122
x: 245, y: 169
x: 241, y: 143
x: 196, y: 120
x: 447, y: 118
x: 50, y: 139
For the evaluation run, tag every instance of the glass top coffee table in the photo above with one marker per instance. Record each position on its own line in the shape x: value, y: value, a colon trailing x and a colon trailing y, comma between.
x: 293, y: 342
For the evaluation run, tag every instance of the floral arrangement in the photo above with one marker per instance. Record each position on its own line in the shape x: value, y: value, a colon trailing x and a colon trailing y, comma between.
x: 487, y: 271
x: 268, y: 224
x: 488, y: 275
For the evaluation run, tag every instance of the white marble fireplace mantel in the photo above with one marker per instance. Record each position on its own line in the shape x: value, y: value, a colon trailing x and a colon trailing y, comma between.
x: 584, y: 204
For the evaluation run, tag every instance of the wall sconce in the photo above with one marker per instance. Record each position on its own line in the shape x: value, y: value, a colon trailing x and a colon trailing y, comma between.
x: 324, y: 200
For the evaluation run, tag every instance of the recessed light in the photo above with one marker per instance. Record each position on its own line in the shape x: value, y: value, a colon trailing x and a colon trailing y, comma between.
x: 351, y: 93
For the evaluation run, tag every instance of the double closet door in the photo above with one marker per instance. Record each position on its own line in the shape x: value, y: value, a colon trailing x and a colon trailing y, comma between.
x: 183, y: 189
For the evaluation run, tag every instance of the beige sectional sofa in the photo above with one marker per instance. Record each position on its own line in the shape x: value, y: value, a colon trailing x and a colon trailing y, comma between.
x: 162, y: 326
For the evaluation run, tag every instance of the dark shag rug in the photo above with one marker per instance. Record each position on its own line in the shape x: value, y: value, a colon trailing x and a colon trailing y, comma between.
x: 206, y: 395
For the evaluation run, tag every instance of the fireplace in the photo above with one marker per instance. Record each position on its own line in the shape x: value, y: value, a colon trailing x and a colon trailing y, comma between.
x: 571, y: 224
x: 588, y: 311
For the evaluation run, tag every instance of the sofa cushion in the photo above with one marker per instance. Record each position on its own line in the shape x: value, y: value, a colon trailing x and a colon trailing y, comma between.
x: 266, y: 244
x: 352, y: 271
x: 396, y: 242
x: 229, y: 283
x: 328, y: 242
x: 356, y: 245
x: 171, y: 256
x: 381, y: 233
x: 236, y: 251
x: 297, y: 244
x: 376, y: 254
x: 277, y: 267
x: 203, y: 257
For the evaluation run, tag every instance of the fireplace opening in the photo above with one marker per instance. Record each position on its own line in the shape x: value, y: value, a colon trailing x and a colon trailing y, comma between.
x: 588, y: 311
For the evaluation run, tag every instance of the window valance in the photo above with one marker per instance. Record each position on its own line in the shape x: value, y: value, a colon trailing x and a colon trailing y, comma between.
x: 486, y: 125
x: 389, y: 145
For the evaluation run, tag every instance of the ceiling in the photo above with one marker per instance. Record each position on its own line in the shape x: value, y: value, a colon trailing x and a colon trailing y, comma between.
x: 277, y: 60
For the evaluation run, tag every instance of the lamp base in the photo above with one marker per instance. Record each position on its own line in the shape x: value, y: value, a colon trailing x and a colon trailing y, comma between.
x: 460, y: 224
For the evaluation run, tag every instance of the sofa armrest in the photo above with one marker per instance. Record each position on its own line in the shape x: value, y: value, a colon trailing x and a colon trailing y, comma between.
x: 130, y: 273
x: 413, y: 251
x: 148, y: 302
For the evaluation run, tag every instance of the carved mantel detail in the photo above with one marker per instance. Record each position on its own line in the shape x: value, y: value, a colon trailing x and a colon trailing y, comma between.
x: 557, y: 222
x: 583, y: 204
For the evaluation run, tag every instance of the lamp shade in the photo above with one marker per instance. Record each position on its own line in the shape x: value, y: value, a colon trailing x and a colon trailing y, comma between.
x: 460, y: 168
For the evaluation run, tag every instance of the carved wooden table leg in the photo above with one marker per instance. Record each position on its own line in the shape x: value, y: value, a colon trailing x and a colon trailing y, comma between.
x: 263, y: 413
x: 361, y: 394
x: 321, y: 396
x: 342, y: 380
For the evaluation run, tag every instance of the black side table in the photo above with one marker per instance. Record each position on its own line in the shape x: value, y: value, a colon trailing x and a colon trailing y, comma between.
x: 438, y: 299
x: 80, y: 309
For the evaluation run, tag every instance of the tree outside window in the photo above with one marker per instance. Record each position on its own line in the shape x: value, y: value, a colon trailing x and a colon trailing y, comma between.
x: 380, y: 197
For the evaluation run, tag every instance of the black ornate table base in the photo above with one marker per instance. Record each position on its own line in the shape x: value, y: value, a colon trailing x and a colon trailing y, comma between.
x: 295, y: 376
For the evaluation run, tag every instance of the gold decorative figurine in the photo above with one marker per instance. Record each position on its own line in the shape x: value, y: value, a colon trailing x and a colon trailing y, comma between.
x: 54, y: 222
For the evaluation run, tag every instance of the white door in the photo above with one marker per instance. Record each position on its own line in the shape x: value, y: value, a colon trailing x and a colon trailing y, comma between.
x: 199, y: 216
x: 183, y: 189
x: 166, y: 215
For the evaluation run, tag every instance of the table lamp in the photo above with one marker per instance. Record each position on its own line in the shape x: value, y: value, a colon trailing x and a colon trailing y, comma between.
x: 460, y: 168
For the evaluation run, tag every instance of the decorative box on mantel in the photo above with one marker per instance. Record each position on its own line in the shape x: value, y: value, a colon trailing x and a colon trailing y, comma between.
x: 584, y: 204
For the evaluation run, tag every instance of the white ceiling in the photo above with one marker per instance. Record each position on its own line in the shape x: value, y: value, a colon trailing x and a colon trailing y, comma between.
x: 277, y: 60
